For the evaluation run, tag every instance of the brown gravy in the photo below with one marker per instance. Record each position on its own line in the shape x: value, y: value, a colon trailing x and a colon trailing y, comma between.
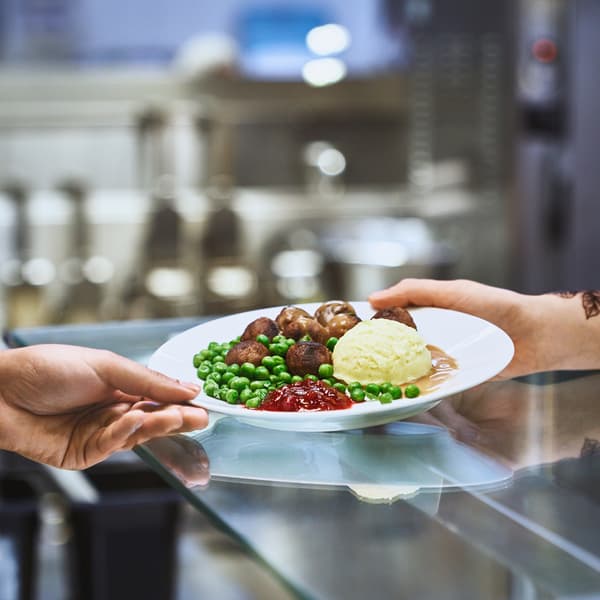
x: 442, y: 368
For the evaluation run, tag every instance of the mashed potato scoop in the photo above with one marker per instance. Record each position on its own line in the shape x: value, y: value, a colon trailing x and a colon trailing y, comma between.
x: 379, y: 351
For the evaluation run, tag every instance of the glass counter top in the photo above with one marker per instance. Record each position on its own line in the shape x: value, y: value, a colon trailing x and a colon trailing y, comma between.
x: 494, y: 493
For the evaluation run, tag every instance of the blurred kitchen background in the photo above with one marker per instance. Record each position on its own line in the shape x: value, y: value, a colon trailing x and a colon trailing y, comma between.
x: 186, y: 157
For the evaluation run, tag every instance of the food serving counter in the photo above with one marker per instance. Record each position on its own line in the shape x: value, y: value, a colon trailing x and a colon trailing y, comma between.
x: 495, y: 493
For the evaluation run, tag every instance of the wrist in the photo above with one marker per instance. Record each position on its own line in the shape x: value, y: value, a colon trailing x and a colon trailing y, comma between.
x: 4, y: 418
x: 7, y: 412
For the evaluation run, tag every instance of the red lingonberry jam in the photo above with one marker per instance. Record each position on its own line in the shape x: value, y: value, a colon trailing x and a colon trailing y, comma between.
x: 305, y: 395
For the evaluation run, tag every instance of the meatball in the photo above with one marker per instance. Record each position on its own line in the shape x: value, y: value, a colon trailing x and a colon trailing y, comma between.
x: 306, y: 326
x: 395, y: 313
x: 341, y: 323
x: 329, y: 310
x: 247, y: 351
x: 296, y: 323
x: 304, y: 358
x: 289, y: 314
x: 262, y: 325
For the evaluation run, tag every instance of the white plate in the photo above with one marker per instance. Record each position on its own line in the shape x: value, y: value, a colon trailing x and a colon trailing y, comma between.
x: 481, y: 350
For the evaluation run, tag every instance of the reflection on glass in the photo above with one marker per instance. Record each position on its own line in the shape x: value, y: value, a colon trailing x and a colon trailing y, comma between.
x: 185, y: 458
x: 380, y: 464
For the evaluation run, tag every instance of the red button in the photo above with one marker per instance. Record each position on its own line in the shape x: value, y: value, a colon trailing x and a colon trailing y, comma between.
x: 544, y: 50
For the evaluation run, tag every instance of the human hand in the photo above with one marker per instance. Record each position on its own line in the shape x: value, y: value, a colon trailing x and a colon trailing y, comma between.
x: 71, y: 407
x: 519, y: 315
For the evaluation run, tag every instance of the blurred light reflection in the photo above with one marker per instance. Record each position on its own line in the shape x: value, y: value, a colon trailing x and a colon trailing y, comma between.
x: 328, y: 39
x: 332, y: 162
x: 234, y: 281
x: 324, y: 71
x: 38, y: 271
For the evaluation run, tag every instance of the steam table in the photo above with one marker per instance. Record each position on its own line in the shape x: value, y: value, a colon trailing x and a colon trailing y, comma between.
x: 493, y: 494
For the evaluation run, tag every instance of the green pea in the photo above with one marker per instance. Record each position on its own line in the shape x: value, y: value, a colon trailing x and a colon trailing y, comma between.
x: 263, y: 339
x: 411, y: 391
x: 206, y: 354
x: 261, y: 394
x: 331, y: 342
x: 232, y: 396
x: 214, y: 376
x: 197, y: 360
x: 248, y: 370
x: 354, y: 385
x: 395, y: 391
x: 296, y: 378
x: 220, y: 367
x: 325, y: 370
x: 373, y: 389
x: 257, y: 385
x: 340, y: 387
x: 268, y: 361
x: 213, y: 345
x: 285, y: 377
x: 227, y: 377
x: 279, y: 360
x: 246, y: 394
x: 252, y: 402
x: 290, y: 342
x: 386, y: 387
x: 211, y: 388
x: 203, y: 371
x: 278, y: 349
x: 311, y: 377
x: 233, y: 368
x: 273, y: 378
x: 278, y: 369
x: 357, y: 394
x: 239, y: 383
x: 278, y: 339
x: 329, y: 381
x: 305, y: 338
x: 385, y: 398
x: 262, y: 373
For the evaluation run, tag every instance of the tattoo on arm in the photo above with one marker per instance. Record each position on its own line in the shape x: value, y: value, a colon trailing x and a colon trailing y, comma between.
x: 590, y: 301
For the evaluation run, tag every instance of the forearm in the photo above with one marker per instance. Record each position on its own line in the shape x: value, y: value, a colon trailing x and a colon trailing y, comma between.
x: 568, y: 327
x: 3, y: 358
x: 4, y: 412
